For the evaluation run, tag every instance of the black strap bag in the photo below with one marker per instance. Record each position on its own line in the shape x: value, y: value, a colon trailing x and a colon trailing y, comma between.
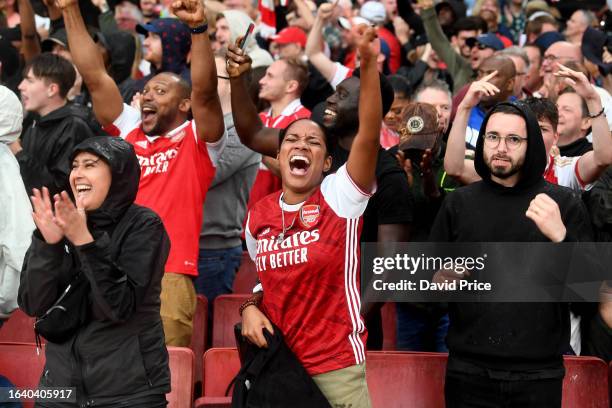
x: 68, y: 313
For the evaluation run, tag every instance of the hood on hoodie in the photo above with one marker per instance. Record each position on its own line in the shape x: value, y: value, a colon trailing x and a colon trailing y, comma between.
x: 11, y: 116
x: 176, y: 43
x: 125, y: 173
x: 535, y: 156
x: 238, y: 23
x: 121, y: 46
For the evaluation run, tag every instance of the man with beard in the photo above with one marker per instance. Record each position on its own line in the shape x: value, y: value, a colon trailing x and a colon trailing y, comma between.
x: 573, y: 172
x: 176, y: 155
x: 388, y: 215
x: 509, y: 354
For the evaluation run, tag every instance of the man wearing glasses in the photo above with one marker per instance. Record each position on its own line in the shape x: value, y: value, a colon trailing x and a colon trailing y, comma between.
x: 560, y: 52
x: 482, y: 47
x: 492, y: 346
x: 563, y: 52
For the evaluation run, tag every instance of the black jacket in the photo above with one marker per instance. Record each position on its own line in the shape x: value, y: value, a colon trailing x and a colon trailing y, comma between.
x: 118, y: 356
x: 47, y: 144
x: 510, y: 337
x: 273, y: 377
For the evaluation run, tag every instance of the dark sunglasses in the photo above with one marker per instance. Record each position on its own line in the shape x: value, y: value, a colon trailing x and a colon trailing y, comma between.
x: 480, y: 46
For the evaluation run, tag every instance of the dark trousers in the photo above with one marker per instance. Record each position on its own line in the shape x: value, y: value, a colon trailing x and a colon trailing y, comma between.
x: 474, y: 391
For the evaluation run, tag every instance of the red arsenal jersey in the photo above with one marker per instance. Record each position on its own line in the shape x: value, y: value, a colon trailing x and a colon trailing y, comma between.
x: 310, y: 278
x: 175, y: 172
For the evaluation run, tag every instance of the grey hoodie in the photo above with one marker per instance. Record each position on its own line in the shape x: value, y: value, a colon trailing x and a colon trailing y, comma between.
x: 16, y: 223
x: 227, y: 197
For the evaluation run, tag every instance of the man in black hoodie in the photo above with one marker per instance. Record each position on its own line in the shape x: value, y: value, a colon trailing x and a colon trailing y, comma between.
x: 509, y: 354
x: 45, y: 146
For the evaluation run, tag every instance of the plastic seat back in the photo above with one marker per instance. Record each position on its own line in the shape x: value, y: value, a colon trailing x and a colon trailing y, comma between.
x: 410, y: 380
x: 19, y: 328
x: 20, y: 363
x: 226, y: 315
x: 182, y: 377
x: 220, y: 367
x: 585, y: 383
x: 200, y: 330
x: 246, y: 277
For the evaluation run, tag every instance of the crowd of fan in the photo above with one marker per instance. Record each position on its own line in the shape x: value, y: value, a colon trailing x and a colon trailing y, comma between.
x: 301, y: 51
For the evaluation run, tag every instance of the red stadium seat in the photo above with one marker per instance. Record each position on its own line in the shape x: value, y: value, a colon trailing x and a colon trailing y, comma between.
x: 220, y: 367
x: 396, y: 378
x: 403, y: 379
x: 226, y: 315
x: 20, y: 363
x: 246, y: 277
x: 585, y: 383
x: 182, y: 377
x: 19, y: 328
x: 389, y: 326
x: 198, y: 338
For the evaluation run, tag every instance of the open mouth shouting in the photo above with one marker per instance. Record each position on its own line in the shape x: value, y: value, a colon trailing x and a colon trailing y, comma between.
x: 299, y: 165
x: 148, y: 114
x: 82, y: 190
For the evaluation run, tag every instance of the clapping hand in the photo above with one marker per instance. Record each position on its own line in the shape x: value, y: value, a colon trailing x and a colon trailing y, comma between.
x: 71, y: 219
x: 60, y: 219
x: 43, y: 216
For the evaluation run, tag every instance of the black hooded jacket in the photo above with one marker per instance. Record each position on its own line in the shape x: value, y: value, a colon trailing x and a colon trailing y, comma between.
x: 511, y: 337
x: 47, y: 145
x: 122, y: 48
x: 118, y: 357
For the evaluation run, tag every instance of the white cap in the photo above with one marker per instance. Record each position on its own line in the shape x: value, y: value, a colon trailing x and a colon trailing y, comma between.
x: 374, y: 12
x: 11, y: 116
x: 347, y: 24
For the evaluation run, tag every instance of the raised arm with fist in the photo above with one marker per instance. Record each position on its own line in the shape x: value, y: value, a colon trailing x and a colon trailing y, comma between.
x: 190, y: 12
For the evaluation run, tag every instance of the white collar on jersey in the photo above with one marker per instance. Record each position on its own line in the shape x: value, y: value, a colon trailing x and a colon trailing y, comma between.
x: 171, y: 133
x: 289, y: 207
x: 290, y: 109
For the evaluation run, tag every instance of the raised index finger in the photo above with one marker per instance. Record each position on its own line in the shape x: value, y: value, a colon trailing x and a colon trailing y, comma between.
x: 489, y: 76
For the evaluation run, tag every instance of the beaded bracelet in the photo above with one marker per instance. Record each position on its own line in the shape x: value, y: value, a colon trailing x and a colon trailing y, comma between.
x: 254, y: 300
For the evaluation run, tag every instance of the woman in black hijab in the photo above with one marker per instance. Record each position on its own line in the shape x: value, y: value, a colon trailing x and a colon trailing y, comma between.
x: 92, y: 277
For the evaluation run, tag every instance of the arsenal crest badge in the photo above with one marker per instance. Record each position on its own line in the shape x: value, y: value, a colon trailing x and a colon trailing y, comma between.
x: 309, y: 215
